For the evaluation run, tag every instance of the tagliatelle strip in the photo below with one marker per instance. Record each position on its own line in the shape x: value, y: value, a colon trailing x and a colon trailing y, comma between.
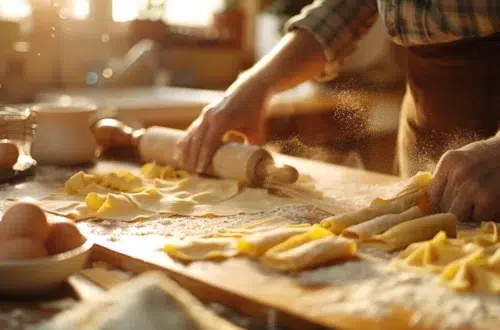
x: 472, y: 273
x: 367, y: 229
x: 486, y: 235
x: 338, y: 223
x: 431, y: 256
x: 310, y: 254
x: 419, y: 181
x: 417, y: 230
x: 257, y: 244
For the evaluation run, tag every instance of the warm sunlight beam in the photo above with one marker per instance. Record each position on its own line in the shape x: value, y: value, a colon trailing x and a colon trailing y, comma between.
x: 14, y: 9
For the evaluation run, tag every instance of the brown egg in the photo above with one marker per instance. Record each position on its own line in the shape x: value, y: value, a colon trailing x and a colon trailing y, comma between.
x: 63, y: 236
x: 8, y: 154
x: 22, y: 249
x: 24, y: 220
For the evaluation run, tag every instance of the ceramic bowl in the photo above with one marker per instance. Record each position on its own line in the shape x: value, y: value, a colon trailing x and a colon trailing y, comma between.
x: 37, y: 276
x: 63, y: 135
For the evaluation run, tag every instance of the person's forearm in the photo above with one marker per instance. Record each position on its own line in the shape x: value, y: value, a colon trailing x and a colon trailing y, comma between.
x: 297, y: 58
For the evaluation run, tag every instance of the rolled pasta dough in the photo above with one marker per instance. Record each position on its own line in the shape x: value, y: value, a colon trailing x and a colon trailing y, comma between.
x: 257, y: 244
x: 338, y: 223
x: 417, y: 230
x: 311, y: 254
x: 380, y: 224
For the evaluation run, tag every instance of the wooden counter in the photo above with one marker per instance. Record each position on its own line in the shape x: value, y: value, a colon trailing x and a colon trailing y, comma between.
x: 16, y: 313
x: 239, y: 283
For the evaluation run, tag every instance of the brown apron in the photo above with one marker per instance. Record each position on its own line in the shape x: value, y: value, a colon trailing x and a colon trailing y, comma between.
x: 452, y: 99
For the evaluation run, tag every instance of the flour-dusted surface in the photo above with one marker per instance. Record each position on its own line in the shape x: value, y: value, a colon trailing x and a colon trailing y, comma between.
x: 371, y: 289
x: 368, y: 288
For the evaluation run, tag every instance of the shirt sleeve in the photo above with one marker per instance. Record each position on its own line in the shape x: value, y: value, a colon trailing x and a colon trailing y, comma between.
x: 337, y: 25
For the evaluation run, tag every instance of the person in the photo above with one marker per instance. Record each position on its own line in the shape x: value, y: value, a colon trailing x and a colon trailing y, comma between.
x: 451, y: 110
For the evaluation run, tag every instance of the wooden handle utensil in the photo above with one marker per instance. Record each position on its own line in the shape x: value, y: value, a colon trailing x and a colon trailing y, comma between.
x: 246, y: 163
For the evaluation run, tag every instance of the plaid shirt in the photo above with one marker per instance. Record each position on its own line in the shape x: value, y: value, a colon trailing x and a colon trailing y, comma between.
x: 339, y: 24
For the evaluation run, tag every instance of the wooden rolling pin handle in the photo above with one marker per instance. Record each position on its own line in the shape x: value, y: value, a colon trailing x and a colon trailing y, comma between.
x: 269, y: 172
x: 111, y: 133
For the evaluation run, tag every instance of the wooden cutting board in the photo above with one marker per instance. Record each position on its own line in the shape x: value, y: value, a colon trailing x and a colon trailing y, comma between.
x: 244, y: 285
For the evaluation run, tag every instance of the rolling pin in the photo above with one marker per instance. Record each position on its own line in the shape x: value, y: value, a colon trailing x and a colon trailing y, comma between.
x: 248, y: 164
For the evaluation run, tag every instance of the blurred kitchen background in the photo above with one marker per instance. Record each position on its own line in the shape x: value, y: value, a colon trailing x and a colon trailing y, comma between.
x: 158, y: 62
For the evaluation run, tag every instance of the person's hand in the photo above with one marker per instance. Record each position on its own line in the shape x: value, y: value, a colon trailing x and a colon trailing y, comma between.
x: 466, y: 182
x: 240, y: 110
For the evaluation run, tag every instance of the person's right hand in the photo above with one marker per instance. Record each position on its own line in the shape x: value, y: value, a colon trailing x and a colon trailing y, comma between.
x: 241, y: 110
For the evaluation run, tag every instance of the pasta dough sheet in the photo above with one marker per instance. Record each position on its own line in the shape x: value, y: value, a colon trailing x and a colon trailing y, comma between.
x: 249, y: 200
x: 202, y: 249
x: 417, y: 230
x: 125, y: 196
x: 256, y: 226
x: 380, y: 224
x: 311, y: 254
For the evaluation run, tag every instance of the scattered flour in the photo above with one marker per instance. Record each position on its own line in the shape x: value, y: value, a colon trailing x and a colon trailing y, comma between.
x: 370, y: 289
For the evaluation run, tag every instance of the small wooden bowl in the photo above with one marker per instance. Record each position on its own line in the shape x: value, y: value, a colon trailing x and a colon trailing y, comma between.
x: 38, y: 276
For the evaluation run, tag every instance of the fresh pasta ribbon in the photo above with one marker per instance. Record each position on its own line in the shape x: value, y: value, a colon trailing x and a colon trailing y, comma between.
x: 419, y: 181
x: 310, y: 254
x: 314, y: 233
x: 257, y: 244
x: 432, y: 256
x: 486, y: 235
x: 378, y: 225
x: 338, y: 223
x: 417, y: 230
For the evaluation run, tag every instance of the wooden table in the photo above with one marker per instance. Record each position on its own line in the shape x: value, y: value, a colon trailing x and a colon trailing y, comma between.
x: 15, y: 313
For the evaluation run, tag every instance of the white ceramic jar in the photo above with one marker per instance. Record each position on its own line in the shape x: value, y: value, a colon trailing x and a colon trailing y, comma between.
x: 63, y: 135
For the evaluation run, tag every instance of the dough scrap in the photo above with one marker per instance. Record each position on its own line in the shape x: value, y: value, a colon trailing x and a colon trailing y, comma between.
x: 472, y: 273
x: 123, y: 181
x: 155, y: 171
x: 419, y: 181
x: 114, y: 207
x: 202, y: 249
x: 338, y: 223
x: 432, y: 256
x: 82, y: 183
x: 311, y: 254
x: 469, y: 263
x: 486, y: 235
x: 255, y: 245
x: 365, y: 230
x: 417, y: 230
